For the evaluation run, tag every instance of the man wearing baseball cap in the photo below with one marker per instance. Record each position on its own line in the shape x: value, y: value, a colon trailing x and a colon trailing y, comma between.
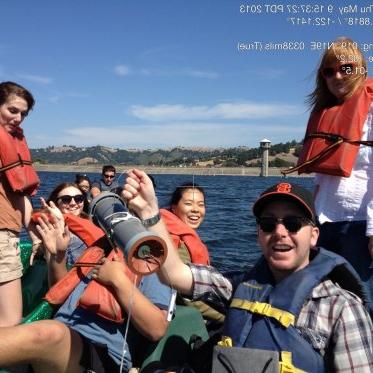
x: 299, y: 309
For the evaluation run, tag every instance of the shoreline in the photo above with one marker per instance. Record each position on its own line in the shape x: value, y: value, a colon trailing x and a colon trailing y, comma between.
x: 207, y: 171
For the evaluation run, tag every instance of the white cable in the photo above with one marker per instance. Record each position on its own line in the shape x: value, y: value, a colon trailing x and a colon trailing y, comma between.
x: 127, y: 323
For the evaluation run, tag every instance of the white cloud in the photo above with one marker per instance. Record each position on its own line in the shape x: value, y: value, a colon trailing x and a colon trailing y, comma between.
x: 122, y: 70
x: 236, y: 111
x: 36, y: 79
x: 54, y: 99
x: 202, y: 74
x: 166, y: 135
x: 59, y: 96
x: 270, y: 73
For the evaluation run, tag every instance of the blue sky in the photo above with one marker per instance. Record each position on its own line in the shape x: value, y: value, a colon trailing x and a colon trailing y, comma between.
x: 156, y: 74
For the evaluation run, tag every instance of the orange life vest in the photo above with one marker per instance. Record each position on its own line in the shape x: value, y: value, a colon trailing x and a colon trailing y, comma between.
x: 180, y: 232
x: 87, y: 231
x: 16, y: 162
x: 333, y: 135
x: 101, y: 299
x: 59, y: 292
x: 96, y: 297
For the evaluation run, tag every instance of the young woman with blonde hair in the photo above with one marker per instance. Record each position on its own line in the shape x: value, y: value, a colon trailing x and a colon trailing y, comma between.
x: 338, y: 148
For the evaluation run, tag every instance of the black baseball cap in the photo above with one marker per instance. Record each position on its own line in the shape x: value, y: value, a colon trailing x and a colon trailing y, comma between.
x: 290, y: 192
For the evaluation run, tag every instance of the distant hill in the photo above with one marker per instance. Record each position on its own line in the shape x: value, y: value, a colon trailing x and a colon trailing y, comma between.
x: 281, y: 155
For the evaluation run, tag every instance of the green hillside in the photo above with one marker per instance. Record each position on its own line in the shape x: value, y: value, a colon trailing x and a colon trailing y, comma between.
x: 281, y: 155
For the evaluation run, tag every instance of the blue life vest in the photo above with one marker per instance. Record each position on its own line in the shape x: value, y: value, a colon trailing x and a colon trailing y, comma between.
x: 262, y: 314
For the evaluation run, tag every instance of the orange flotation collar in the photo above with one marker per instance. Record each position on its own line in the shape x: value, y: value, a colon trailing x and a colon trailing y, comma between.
x: 59, y: 292
x: 16, y: 162
x: 87, y: 231
x: 333, y: 136
x: 181, y: 233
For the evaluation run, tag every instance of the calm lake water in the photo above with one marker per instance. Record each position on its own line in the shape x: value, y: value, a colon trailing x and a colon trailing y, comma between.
x: 229, y: 229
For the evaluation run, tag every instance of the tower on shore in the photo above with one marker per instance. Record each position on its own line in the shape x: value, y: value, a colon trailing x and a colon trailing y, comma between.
x: 264, y: 145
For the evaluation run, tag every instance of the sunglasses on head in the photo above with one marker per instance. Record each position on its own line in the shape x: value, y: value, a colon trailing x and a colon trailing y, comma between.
x: 292, y: 223
x: 109, y: 176
x: 344, y: 69
x: 79, y: 198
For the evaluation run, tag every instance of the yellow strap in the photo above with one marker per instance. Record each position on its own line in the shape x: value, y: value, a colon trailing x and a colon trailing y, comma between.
x: 283, y: 317
x: 286, y: 364
x: 225, y: 341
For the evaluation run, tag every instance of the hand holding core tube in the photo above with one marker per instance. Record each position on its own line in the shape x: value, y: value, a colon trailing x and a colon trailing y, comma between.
x: 143, y: 250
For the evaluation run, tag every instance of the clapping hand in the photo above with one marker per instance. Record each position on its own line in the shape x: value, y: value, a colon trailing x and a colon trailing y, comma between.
x: 55, y: 212
x: 55, y: 238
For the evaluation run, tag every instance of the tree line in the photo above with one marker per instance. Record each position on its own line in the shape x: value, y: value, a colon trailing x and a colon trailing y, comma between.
x: 178, y: 156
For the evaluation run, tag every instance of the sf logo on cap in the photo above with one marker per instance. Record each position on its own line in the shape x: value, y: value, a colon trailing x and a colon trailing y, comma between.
x: 284, y: 187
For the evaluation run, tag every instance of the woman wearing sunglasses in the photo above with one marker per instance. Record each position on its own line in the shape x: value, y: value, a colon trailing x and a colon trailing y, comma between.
x: 69, y: 199
x: 338, y: 148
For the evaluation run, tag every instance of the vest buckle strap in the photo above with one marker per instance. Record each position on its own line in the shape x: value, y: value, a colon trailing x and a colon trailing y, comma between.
x: 225, y: 342
x: 283, y: 317
x: 262, y: 308
x: 286, y: 364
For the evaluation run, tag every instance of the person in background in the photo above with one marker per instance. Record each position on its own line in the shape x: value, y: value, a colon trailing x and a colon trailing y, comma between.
x: 18, y: 180
x: 84, y: 184
x: 299, y: 301
x: 107, y: 183
x: 342, y: 108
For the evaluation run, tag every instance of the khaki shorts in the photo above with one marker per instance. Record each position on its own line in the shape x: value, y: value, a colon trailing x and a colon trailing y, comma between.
x: 10, y: 258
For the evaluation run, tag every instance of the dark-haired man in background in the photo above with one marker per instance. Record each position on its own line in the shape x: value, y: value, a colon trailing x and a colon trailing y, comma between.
x: 107, y: 183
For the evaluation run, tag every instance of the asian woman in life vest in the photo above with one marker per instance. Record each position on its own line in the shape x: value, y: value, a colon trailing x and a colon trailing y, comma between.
x: 341, y: 106
x: 18, y: 180
x: 186, y: 213
x: 84, y: 184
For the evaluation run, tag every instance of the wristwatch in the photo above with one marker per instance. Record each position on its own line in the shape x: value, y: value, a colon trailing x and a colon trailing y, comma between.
x: 151, y: 221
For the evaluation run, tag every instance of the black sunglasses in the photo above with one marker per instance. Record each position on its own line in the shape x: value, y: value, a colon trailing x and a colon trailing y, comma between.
x: 109, y: 176
x: 292, y: 223
x: 344, y: 69
x: 79, y: 198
